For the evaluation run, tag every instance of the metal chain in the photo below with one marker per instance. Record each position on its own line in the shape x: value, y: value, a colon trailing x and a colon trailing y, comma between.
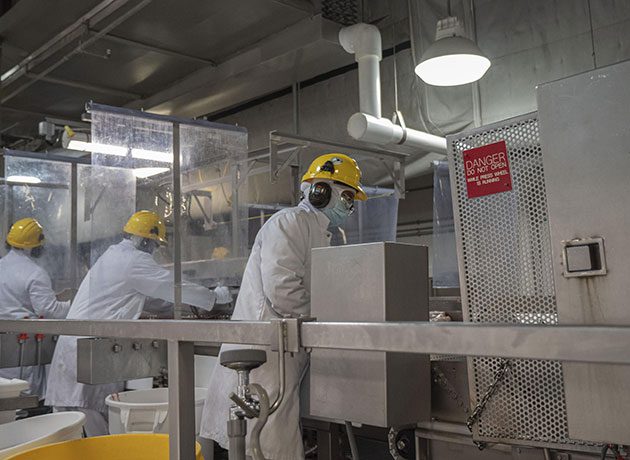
x: 481, y: 405
x: 440, y: 378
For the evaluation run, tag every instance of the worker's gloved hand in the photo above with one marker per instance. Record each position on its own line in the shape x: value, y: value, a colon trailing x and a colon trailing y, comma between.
x: 222, y: 294
x: 66, y: 294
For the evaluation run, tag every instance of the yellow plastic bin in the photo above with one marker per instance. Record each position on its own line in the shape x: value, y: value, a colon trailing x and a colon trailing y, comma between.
x: 115, y: 447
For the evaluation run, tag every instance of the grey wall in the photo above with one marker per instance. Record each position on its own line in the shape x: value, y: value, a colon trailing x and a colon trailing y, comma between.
x: 528, y: 41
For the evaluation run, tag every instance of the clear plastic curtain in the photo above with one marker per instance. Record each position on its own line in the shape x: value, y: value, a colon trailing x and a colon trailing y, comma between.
x: 445, y: 268
x: 373, y: 220
x: 41, y: 189
x: 133, y: 169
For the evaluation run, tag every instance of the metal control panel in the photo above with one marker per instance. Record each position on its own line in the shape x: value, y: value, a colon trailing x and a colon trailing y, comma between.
x: 103, y: 360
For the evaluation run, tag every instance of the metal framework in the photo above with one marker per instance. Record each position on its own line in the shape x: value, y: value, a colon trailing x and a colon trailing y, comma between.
x: 602, y: 344
x: 505, y: 266
x: 66, y: 37
x: 155, y: 49
x: 280, y: 142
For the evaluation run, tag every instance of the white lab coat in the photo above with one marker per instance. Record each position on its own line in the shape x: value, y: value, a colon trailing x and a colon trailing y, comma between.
x: 116, y: 287
x: 26, y: 292
x: 278, y: 273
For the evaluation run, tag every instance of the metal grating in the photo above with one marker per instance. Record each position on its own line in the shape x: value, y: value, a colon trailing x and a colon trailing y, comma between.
x: 505, y: 254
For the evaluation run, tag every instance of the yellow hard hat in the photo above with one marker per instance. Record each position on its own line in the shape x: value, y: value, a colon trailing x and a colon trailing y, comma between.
x: 146, y: 224
x: 26, y: 234
x: 339, y: 168
x: 220, y: 252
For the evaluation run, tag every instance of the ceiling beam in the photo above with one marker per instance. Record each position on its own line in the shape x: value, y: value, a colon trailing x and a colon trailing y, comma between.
x: 4, y: 108
x: 155, y: 49
x: 62, y: 39
x: 86, y: 86
x: 23, y: 68
x: 302, y: 5
x: 263, y: 67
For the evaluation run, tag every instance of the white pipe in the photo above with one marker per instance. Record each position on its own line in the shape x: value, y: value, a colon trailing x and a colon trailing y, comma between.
x: 364, y: 41
x: 370, y: 85
x: 382, y: 131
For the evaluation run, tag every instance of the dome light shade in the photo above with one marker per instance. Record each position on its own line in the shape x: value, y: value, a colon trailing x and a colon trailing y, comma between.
x: 452, y: 59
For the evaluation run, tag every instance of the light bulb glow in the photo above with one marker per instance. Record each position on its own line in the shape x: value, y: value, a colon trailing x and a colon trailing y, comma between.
x: 24, y: 179
x: 143, y: 173
x: 453, y: 69
x: 97, y: 148
x: 142, y: 154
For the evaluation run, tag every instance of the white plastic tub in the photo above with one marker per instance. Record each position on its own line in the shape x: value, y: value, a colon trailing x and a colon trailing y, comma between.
x: 32, y: 432
x: 146, y: 411
x: 10, y: 388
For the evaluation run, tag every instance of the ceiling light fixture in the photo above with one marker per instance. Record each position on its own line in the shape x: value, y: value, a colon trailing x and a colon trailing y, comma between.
x: 24, y: 179
x: 452, y: 59
x: 72, y: 140
x: 143, y: 173
x: 9, y: 73
x: 142, y: 154
x: 106, y: 149
x: 97, y: 148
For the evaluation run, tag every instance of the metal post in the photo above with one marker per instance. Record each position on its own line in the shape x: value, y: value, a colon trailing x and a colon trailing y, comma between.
x: 177, y: 215
x: 422, y: 449
x: 295, y: 89
x: 4, y: 225
x: 9, y: 205
x: 181, y: 400
x: 360, y: 221
x: 74, y: 203
x: 328, y: 442
x: 296, y: 193
x: 237, y: 431
x: 236, y: 235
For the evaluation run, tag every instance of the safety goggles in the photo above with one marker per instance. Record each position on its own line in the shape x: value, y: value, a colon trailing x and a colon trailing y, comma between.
x: 347, y: 198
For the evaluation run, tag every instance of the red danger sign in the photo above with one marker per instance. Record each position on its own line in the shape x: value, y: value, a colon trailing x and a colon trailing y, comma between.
x: 487, y: 170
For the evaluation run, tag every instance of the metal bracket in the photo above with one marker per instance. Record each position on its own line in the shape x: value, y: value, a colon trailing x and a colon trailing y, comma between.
x: 398, y: 118
x: 274, y: 160
x: 398, y: 176
x: 101, y: 360
x: 277, y: 138
x: 243, y: 176
x: 291, y: 330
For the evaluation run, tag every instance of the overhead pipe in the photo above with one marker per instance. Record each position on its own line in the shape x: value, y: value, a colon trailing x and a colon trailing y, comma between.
x: 368, y: 125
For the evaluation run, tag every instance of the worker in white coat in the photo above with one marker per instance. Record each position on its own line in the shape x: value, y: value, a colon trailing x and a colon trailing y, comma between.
x: 26, y: 291
x: 116, y: 288
x: 277, y: 283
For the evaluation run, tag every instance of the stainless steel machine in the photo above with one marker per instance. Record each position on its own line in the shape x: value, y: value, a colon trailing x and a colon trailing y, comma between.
x: 370, y: 282
x: 541, y: 239
x: 585, y: 137
x: 540, y: 224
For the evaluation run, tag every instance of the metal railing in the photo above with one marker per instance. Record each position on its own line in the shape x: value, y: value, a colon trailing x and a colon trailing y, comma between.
x: 601, y: 344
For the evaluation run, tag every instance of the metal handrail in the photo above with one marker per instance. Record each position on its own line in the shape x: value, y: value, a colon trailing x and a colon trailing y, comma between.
x: 577, y: 343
